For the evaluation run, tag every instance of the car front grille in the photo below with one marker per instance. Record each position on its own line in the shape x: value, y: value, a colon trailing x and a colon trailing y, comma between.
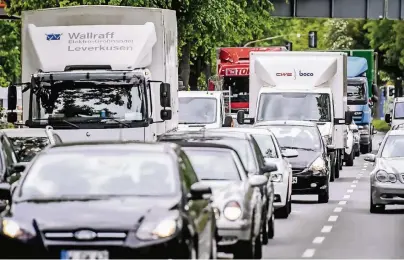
x: 100, y: 236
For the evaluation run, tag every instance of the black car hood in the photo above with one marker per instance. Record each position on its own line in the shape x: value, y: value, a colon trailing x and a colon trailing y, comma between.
x: 116, y: 213
x: 304, y: 159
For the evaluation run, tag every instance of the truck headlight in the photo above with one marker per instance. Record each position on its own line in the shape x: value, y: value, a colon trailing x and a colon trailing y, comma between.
x: 276, y: 177
x: 232, y: 211
x: 318, y: 165
x: 155, y: 230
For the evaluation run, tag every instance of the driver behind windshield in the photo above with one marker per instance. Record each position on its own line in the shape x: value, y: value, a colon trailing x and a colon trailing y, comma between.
x: 296, y: 137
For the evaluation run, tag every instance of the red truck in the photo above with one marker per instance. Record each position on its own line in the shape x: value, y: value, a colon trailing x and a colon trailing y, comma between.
x: 233, y: 67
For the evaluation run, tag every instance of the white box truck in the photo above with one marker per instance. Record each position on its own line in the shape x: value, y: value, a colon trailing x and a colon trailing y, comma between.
x: 303, y: 86
x: 100, y: 72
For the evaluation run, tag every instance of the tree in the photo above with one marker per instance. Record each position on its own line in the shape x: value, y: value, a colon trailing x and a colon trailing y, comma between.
x: 9, y: 52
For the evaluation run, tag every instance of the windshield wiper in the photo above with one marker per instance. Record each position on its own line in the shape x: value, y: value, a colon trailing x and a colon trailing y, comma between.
x: 55, y: 120
x: 117, y: 121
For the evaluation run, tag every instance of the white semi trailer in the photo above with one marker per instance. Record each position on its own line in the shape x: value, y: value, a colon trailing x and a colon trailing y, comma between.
x: 100, y: 72
x: 303, y: 86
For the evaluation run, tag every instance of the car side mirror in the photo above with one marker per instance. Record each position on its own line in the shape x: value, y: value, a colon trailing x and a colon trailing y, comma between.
x: 269, y: 167
x: 330, y: 148
x: 290, y: 153
x: 5, y: 191
x: 11, y: 117
x: 166, y: 114
x: 348, y: 117
x: 199, y: 191
x: 12, y: 97
x: 228, y: 121
x: 165, y: 95
x: 258, y: 180
x: 387, y: 118
x: 370, y: 157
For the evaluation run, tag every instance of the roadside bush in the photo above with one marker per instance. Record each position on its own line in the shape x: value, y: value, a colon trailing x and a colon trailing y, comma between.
x: 380, y: 125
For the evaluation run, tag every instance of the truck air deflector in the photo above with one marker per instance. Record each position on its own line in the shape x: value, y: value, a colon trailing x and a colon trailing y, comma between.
x: 356, y: 66
x: 119, y: 45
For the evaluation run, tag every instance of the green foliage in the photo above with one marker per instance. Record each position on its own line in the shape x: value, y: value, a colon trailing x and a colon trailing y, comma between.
x: 9, y: 52
x: 380, y: 125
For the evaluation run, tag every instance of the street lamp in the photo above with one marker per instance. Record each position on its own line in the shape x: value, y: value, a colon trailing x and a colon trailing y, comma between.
x: 271, y: 38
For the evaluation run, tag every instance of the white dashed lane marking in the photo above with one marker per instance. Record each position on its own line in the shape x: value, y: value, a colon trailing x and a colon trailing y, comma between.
x: 353, y: 186
x: 355, y: 181
x: 347, y: 196
x: 349, y: 191
x: 332, y: 218
x: 338, y: 209
x: 309, y: 253
x: 326, y: 229
x: 318, y: 240
x: 342, y: 202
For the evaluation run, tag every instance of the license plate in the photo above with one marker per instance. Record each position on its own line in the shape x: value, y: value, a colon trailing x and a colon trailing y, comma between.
x: 84, y: 254
x: 294, y: 180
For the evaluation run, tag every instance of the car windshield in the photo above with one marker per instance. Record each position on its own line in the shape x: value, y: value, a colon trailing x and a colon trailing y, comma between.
x: 399, y: 110
x: 297, y: 137
x: 100, y: 173
x: 92, y: 100
x: 208, y: 163
x: 197, y: 110
x: 243, y: 148
x: 27, y: 148
x: 267, y: 146
x: 393, y: 147
x: 294, y: 106
x: 356, y: 94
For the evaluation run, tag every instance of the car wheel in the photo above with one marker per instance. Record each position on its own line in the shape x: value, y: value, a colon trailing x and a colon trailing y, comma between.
x: 337, y: 168
x: 357, y: 153
x: 271, y: 226
x: 324, y: 196
x: 264, y: 233
x: 245, y: 249
x: 332, y: 177
x: 374, y: 208
x: 284, y: 211
x: 258, y: 248
x: 290, y: 205
x: 351, y: 158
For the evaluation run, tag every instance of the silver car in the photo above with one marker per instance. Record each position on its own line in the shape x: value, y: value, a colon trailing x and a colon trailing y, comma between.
x: 387, y: 178
x: 236, y: 197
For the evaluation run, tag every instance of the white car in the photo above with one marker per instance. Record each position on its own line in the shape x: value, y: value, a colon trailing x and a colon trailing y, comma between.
x: 282, y: 179
x: 349, y: 155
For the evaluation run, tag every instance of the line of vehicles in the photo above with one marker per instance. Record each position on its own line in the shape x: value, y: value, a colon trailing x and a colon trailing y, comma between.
x: 115, y: 162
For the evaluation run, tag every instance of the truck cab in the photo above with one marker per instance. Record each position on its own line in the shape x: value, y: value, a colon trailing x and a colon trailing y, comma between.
x: 397, y: 116
x: 202, y: 109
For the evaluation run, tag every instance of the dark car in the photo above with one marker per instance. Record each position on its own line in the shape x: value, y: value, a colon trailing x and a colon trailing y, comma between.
x: 108, y: 200
x: 251, y: 157
x: 311, y: 168
x: 237, y: 202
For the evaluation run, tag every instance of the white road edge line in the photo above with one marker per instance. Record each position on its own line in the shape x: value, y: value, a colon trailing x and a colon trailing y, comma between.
x: 338, y: 209
x: 347, y: 196
x: 318, y: 240
x: 309, y: 253
x: 326, y: 229
x: 342, y: 202
x: 332, y: 218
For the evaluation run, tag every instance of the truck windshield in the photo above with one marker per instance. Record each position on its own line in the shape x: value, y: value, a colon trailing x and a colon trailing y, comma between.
x: 356, y: 94
x: 80, y: 101
x: 399, y: 110
x: 239, y: 88
x: 197, y: 110
x: 294, y: 106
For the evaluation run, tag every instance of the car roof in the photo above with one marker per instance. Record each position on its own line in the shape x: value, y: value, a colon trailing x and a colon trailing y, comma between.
x: 399, y: 131
x: 203, y: 94
x: 115, y: 145
x: 25, y: 132
x: 248, y: 130
x: 203, y: 134
x: 287, y: 122
x: 204, y: 144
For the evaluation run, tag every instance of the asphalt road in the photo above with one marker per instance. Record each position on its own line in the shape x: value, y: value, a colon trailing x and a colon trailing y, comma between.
x: 343, y: 228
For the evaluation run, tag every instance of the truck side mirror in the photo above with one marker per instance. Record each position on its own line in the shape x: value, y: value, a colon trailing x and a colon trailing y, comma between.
x: 166, y: 114
x: 348, y: 117
x: 12, y: 97
x: 165, y: 95
x: 240, y: 117
x: 12, y: 117
x: 387, y: 118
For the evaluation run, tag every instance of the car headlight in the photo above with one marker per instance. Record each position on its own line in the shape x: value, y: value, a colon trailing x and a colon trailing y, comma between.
x: 276, y: 177
x: 11, y: 229
x: 383, y: 176
x: 318, y: 165
x: 155, y: 230
x: 232, y: 211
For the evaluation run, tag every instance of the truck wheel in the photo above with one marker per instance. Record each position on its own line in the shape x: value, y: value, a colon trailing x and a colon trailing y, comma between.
x: 350, y: 159
x: 357, y: 153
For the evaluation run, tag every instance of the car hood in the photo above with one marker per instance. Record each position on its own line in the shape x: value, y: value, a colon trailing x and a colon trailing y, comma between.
x: 117, y: 213
x: 224, y: 190
x: 391, y: 165
x: 304, y: 159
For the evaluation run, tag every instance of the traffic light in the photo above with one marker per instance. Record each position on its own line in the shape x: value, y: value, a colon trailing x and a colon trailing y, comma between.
x: 312, y: 39
x: 289, y: 46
